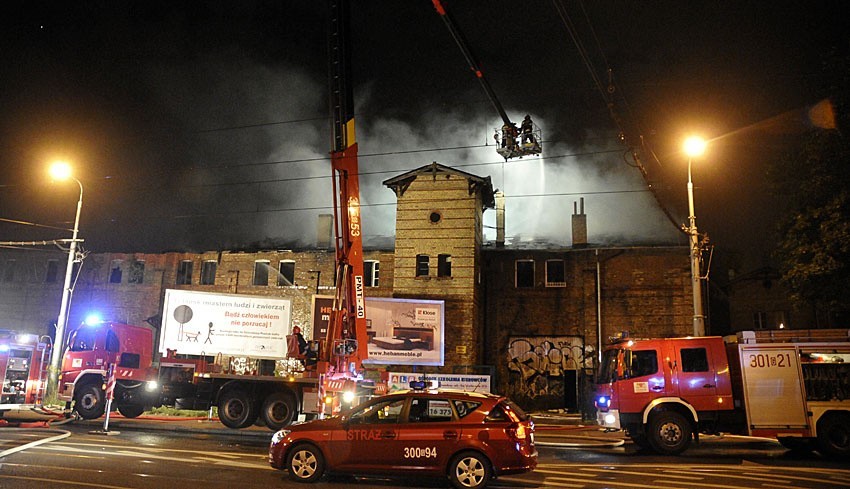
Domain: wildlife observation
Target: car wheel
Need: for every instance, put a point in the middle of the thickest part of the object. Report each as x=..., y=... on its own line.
x=278, y=410
x=131, y=410
x=305, y=463
x=236, y=409
x=669, y=433
x=89, y=402
x=469, y=470
x=834, y=436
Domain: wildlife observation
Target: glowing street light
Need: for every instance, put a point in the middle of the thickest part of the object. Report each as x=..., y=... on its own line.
x=695, y=146
x=62, y=171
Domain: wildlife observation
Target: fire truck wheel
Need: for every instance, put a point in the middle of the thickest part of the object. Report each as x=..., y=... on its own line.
x=305, y=463
x=89, y=402
x=131, y=410
x=236, y=409
x=834, y=435
x=469, y=470
x=669, y=433
x=278, y=410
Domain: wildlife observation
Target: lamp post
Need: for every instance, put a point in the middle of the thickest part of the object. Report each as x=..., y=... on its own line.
x=695, y=146
x=62, y=171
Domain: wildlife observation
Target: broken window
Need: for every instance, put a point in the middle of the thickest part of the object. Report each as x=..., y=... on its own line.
x=286, y=277
x=208, y=269
x=422, y=265
x=444, y=265
x=371, y=273
x=555, y=273
x=261, y=273
x=184, y=273
x=524, y=273
x=115, y=272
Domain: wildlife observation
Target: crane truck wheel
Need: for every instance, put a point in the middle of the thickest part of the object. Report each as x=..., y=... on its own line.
x=669, y=433
x=131, y=410
x=834, y=436
x=89, y=402
x=236, y=409
x=278, y=410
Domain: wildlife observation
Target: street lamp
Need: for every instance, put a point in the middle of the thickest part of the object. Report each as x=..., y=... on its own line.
x=695, y=146
x=62, y=171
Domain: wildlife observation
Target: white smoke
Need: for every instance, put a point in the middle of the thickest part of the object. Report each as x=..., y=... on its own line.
x=266, y=181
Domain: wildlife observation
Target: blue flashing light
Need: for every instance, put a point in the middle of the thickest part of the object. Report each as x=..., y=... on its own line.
x=603, y=401
x=4, y=348
x=93, y=319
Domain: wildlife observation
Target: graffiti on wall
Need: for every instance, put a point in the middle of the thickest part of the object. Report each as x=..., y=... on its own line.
x=543, y=368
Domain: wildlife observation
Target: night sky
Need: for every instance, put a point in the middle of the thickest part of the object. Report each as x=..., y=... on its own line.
x=204, y=125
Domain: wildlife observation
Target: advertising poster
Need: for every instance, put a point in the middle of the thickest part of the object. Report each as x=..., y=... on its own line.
x=401, y=331
x=200, y=323
x=463, y=382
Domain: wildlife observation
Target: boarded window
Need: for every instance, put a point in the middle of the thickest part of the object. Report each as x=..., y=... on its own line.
x=555, y=273
x=371, y=273
x=524, y=273
x=261, y=273
x=422, y=265
x=136, y=272
x=286, y=277
x=184, y=272
x=444, y=265
x=208, y=269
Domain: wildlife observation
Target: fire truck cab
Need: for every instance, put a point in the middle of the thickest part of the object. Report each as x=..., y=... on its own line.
x=91, y=348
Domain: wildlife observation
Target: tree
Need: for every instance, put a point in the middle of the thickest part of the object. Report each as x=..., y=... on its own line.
x=814, y=243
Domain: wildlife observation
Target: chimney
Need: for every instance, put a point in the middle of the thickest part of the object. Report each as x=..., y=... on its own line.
x=579, y=226
x=324, y=231
x=500, y=218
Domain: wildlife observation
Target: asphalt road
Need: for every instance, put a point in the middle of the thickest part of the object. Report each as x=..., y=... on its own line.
x=145, y=454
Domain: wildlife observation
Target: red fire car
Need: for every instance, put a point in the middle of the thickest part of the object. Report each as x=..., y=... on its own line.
x=467, y=437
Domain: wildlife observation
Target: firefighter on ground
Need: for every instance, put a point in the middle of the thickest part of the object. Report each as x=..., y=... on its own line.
x=526, y=128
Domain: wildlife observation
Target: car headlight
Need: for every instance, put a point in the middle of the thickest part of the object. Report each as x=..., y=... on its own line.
x=348, y=397
x=151, y=386
x=280, y=435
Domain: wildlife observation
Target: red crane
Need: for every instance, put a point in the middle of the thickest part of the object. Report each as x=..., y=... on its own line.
x=515, y=142
x=345, y=344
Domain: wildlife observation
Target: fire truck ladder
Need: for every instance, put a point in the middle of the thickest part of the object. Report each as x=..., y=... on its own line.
x=44, y=373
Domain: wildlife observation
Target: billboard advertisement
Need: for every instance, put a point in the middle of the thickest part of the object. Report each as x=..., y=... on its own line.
x=401, y=331
x=201, y=323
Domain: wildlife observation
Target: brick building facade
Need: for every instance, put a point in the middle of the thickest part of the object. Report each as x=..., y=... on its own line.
x=531, y=316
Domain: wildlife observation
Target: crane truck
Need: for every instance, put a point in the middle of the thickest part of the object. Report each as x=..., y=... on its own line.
x=791, y=385
x=242, y=395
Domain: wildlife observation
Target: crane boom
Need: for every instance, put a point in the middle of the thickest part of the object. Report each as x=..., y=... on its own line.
x=531, y=142
x=345, y=346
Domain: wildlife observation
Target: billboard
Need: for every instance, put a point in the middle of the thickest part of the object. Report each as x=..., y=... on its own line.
x=201, y=323
x=465, y=382
x=401, y=331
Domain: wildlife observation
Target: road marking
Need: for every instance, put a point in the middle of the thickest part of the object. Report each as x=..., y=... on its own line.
x=629, y=472
x=618, y=484
x=58, y=481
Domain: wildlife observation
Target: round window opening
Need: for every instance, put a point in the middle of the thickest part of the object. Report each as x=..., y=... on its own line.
x=435, y=217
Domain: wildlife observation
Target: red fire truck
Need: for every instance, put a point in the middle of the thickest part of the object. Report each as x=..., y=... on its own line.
x=23, y=367
x=793, y=385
